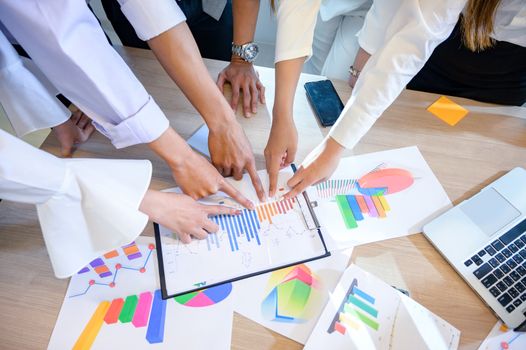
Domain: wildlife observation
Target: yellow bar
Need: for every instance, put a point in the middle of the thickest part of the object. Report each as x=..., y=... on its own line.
x=385, y=205
x=349, y=321
x=90, y=332
x=378, y=205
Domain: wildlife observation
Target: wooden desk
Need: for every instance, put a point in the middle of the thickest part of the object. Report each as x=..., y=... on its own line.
x=466, y=157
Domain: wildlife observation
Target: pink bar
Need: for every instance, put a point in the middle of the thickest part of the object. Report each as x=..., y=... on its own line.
x=140, y=318
x=370, y=205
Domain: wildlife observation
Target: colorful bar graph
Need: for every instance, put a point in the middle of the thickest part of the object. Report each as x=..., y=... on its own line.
x=128, y=309
x=155, y=331
x=140, y=318
x=345, y=210
x=370, y=205
x=362, y=204
x=357, y=307
x=90, y=332
x=112, y=316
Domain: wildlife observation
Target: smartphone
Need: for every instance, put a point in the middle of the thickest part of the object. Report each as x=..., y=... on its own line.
x=325, y=101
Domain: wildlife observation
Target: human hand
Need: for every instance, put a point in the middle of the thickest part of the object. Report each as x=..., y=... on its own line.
x=192, y=172
x=242, y=77
x=317, y=167
x=231, y=153
x=280, y=150
x=183, y=215
x=74, y=131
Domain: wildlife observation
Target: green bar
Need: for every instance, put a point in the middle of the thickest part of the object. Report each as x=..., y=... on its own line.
x=348, y=217
x=362, y=317
x=365, y=307
x=128, y=309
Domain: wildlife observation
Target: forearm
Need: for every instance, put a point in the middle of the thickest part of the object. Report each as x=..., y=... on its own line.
x=178, y=53
x=287, y=75
x=171, y=148
x=245, y=13
x=359, y=62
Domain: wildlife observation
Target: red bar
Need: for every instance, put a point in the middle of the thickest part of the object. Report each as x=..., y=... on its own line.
x=112, y=315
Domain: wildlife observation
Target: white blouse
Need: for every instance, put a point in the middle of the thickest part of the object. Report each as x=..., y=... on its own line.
x=67, y=43
x=401, y=36
x=86, y=207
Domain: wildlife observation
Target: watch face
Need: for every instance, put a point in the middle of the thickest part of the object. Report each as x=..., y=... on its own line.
x=251, y=52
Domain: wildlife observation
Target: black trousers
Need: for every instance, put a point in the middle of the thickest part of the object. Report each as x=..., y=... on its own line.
x=496, y=75
x=214, y=38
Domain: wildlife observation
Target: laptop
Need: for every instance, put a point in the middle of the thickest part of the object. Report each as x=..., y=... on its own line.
x=484, y=238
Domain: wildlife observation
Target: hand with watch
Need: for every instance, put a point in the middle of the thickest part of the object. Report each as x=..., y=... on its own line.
x=243, y=78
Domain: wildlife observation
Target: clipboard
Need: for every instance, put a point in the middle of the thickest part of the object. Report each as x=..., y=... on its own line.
x=312, y=231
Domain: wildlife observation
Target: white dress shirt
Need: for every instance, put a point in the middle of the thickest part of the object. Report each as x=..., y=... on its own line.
x=86, y=207
x=66, y=42
x=27, y=97
x=399, y=46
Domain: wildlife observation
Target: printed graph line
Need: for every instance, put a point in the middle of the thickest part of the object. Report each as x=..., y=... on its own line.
x=118, y=267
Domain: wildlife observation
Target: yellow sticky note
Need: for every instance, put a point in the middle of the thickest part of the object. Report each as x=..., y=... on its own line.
x=447, y=110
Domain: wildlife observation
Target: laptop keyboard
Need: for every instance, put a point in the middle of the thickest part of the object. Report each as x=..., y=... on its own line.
x=501, y=267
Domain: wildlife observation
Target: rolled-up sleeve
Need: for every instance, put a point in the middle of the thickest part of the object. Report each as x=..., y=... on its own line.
x=418, y=27
x=295, y=28
x=67, y=43
x=150, y=18
x=86, y=207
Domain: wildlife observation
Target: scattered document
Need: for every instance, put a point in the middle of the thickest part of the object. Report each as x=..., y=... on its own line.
x=502, y=338
x=365, y=313
x=199, y=140
x=447, y=110
x=276, y=234
x=289, y=301
x=377, y=196
x=115, y=303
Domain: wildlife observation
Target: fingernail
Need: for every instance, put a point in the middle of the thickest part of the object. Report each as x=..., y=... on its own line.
x=254, y=110
x=237, y=212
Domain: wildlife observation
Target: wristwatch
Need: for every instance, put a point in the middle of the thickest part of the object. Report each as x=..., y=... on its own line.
x=248, y=52
x=354, y=72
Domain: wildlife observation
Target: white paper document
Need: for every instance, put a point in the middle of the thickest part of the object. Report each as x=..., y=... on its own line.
x=199, y=140
x=502, y=338
x=115, y=303
x=277, y=233
x=377, y=196
x=289, y=301
x=365, y=313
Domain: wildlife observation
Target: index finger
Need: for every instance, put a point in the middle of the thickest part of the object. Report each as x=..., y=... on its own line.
x=300, y=187
x=214, y=210
x=221, y=80
x=256, y=181
x=273, y=170
x=236, y=195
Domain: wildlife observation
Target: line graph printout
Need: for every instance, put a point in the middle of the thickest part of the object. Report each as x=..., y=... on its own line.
x=277, y=233
x=377, y=196
x=116, y=303
x=366, y=313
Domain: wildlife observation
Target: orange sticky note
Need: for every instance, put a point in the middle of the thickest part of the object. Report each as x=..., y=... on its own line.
x=447, y=110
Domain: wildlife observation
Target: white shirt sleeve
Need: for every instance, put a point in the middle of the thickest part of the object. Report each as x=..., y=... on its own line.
x=67, y=43
x=86, y=207
x=27, y=97
x=372, y=34
x=295, y=32
x=418, y=27
x=150, y=18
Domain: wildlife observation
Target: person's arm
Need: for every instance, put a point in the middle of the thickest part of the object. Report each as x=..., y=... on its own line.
x=417, y=28
x=230, y=150
x=73, y=52
x=87, y=207
x=175, y=48
x=241, y=74
x=296, y=22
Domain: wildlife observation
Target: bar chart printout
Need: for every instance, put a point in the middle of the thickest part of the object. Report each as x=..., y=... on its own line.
x=274, y=234
x=365, y=197
x=367, y=313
